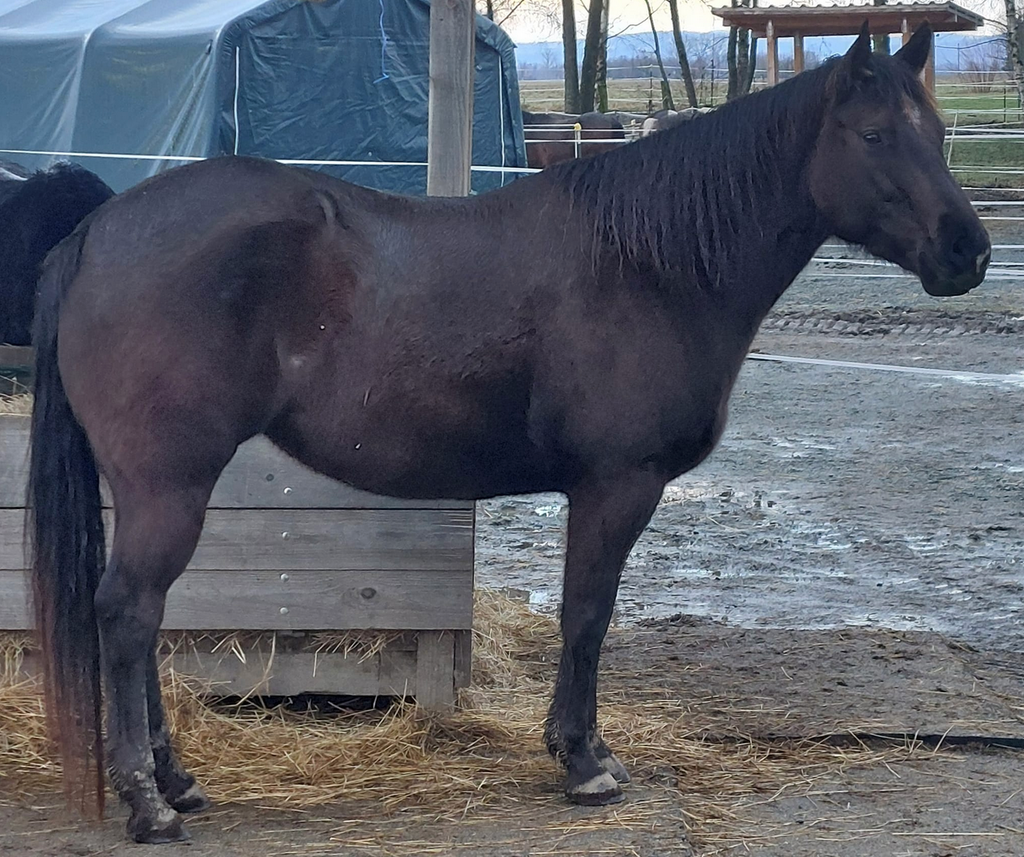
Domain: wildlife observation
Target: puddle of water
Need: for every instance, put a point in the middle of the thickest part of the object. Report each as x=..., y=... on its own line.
x=920, y=544
x=542, y=599
x=1015, y=379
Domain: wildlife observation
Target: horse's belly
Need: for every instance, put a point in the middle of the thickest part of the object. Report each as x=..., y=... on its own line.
x=453, y=444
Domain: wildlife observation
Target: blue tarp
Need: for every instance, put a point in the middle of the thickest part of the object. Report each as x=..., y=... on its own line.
x=331, y=80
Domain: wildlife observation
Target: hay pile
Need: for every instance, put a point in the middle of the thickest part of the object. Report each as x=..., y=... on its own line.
x=18, y=405
x=470, y=764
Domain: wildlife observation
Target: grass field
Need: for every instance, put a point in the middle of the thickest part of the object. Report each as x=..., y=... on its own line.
x=963, y=103
x=642, y=95
x=996, y=155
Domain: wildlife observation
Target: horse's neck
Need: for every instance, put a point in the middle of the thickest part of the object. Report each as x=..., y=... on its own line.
x=750, y=225
x=771, y=256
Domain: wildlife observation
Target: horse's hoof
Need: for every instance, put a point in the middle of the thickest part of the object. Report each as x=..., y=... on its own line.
x=167, y=826
x=613, y=766
x=600, y=790
x=191, y=801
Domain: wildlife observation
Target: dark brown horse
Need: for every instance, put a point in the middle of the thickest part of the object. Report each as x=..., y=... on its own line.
x=578, y=331
x=545, y=146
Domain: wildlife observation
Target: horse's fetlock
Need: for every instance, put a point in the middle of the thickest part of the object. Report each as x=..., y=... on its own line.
x=553, y=741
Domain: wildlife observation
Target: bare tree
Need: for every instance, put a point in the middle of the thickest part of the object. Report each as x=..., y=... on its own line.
x=684, y=61
x=549, y=58
x=741, y=57
x=591, y=50
x=602, y=62
x=751, y=62
x=571, y=74
x=666, y=89
x=1014, y=28
x=543, y=14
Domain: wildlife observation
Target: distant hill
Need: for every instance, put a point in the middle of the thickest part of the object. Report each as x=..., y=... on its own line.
x=948, y=46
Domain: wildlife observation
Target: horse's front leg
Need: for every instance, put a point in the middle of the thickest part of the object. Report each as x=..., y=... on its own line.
x=606, y=516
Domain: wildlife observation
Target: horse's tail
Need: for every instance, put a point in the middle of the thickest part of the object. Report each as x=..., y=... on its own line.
x=65, y=527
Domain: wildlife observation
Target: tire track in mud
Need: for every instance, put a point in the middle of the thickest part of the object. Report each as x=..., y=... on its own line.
x=920, y=323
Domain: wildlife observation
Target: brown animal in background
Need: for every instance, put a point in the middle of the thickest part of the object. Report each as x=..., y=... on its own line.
x=665, y=119
x=559, y=143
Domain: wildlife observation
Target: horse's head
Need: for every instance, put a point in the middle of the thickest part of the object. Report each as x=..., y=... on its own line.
x=879, y=176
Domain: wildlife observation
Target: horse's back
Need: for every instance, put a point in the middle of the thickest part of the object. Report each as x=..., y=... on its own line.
x=246, y=297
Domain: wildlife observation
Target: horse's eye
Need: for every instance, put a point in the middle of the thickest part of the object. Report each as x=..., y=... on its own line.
x=872, y=137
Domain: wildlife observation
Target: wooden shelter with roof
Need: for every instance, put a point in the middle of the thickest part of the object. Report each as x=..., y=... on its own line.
x=794, y=22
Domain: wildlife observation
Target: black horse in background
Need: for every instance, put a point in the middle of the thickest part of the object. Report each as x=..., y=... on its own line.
x=37, y=211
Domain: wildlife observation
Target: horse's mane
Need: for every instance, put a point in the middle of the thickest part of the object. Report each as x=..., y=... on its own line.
x=673, y=200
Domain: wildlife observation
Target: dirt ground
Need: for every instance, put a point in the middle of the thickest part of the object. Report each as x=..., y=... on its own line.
x=851, y=559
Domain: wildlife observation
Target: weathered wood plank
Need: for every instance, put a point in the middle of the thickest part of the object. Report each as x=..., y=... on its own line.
x=463, y=658
x=435, y=670
x=259, y=476
x=17, y=357
x=295, y=600
x=293, y=673
x=419, y=539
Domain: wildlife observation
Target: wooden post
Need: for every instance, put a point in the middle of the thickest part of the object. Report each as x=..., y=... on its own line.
x=773, y=54
x=450, y=120
x=905, y=31
x=798, y=53
x=449, y=158
x=435, y=670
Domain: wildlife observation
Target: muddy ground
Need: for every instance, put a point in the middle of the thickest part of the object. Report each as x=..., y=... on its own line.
x=850, y=558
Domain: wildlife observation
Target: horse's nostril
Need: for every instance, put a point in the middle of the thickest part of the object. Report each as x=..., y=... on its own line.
x=970, y=250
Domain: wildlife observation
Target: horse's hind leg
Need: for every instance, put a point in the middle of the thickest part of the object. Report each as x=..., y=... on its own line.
x=154, y=538
x=178, y=787
x=605, y=519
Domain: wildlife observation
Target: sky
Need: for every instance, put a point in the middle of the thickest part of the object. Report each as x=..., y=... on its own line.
x=627, y=15
x=631, y=16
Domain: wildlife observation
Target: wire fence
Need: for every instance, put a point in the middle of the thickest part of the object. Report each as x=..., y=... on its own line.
x=1007, y=211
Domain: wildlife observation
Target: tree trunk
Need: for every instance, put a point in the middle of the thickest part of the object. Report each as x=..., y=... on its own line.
x=602, y=63
x=490, y=9
x=591, y=48
x=751, y=65
x=743, y=71
x=571, y=73
x=684, y=62
x=1014, y=25
x=666, y=89
x=730, y=56
x=748, y=81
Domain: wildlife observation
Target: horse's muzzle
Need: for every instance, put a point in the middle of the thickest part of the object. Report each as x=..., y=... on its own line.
x=959, y=268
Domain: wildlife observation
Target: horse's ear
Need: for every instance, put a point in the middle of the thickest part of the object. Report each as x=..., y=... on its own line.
x=857, y=62
x=915, y=52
